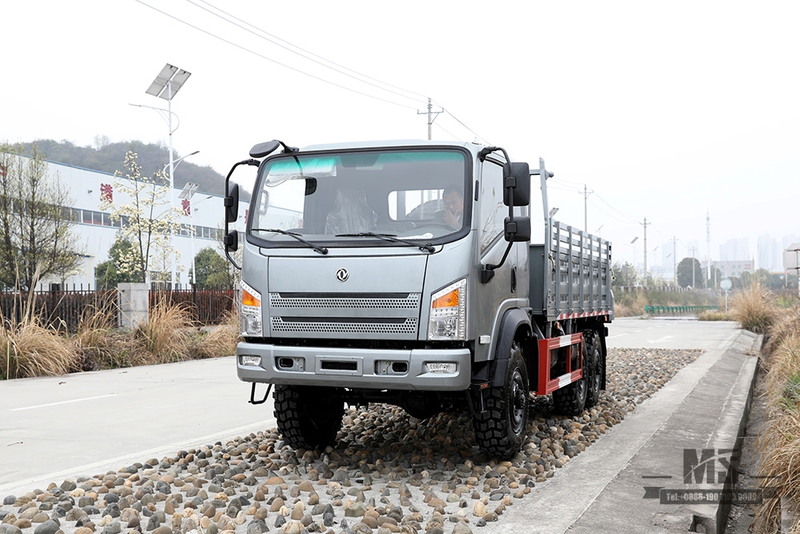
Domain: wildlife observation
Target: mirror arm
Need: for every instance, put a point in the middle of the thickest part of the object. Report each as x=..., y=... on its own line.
x=487, y=273
x=233, y=262
x=253, y=162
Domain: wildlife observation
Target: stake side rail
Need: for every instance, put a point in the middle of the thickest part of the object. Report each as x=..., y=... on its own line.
x=571, y=342
x=580, y=283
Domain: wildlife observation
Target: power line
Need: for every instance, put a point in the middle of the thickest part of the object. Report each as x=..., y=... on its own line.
x=462, y=124
x=262, y=56
x=631, y=218
x=357, y=76
x=310, y=56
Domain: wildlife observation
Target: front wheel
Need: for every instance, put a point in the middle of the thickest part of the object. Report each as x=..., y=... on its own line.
x=500, y=430
x=308, y=417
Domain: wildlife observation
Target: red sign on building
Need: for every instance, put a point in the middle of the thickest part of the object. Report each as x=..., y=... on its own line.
x=106, y=193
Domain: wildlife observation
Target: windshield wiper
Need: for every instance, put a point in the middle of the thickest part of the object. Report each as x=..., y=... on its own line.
x=393, y=238
x=317, y=248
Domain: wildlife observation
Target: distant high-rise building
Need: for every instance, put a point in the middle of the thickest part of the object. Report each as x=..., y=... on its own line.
x=769, y=257
x=734, y=250
x=788, y=240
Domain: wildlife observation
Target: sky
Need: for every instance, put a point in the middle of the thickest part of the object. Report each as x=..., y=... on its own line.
x=664, y=111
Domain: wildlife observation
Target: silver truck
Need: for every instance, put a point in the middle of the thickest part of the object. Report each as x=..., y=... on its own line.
x=406, y=273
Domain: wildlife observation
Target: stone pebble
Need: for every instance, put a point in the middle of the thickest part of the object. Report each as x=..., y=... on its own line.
x=389, y=473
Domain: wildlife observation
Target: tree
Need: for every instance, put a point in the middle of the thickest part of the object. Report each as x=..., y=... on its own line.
x=147, y=222
x=213, y=271
x=36, y=234
x=685, y=276
x=115, y=270
x=624, y=275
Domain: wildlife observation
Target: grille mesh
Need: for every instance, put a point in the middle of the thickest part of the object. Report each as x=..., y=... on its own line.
x=407, y=327
x=410, y=302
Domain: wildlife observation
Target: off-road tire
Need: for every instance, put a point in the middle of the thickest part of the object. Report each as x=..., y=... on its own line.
x=571, y=400
x=594, y=367
x=501, y=430
x=308, y=417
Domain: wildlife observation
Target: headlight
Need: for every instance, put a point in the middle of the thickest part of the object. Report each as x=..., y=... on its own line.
x=449, y=313
x=250, y=313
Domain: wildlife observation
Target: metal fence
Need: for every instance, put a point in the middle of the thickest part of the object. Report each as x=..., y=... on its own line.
x=64, y=310
x=208, y=306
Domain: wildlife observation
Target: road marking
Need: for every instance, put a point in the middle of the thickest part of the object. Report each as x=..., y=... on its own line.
x=62, y=402
x=618, y=335
x=662, y=339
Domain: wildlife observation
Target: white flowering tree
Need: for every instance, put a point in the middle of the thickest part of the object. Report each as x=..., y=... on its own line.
x=148, y=221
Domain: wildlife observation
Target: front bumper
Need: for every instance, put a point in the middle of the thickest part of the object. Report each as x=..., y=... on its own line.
x=354, y=368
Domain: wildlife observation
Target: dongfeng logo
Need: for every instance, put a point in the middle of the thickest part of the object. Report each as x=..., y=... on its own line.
x=342, y=275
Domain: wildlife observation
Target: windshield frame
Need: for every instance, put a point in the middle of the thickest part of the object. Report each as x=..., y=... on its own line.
x=333, y=242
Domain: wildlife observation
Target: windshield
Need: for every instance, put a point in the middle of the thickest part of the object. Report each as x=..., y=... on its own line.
x=349, y=197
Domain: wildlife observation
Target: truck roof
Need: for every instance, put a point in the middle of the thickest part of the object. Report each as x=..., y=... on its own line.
x=474, y=147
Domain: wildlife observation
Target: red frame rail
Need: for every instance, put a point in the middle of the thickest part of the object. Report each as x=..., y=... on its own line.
x=546, y=347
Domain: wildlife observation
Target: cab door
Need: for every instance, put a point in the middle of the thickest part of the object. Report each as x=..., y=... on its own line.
x=503, y=290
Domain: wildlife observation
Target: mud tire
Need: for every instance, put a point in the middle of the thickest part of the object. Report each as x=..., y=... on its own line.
x=308, y=417
x=501, y=429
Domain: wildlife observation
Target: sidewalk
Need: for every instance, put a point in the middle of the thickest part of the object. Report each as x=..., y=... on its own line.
x=624, y=483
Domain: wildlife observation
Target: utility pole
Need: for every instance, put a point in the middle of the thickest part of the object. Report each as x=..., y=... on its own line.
x=708, y=248
x=675, y=260
x=645, y=223
x=585, y=209
x=693, y=269
x=431, y=116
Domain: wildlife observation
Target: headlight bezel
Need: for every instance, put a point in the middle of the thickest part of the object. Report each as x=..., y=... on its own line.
x=250, y=311
x=447, y=319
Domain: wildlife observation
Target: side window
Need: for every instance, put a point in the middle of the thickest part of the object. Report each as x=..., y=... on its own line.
x=492, y=210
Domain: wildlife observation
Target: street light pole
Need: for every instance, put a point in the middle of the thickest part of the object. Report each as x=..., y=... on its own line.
x=166, y=86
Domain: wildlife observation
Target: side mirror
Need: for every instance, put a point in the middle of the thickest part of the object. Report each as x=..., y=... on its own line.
x=231, y=202
x=517, y=229
x=231, y=240
x=519, y=180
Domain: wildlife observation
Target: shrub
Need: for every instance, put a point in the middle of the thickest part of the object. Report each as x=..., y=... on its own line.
x=220, y=340
x=166, y=335
x=29, y=349
x=753, y=308
x=711, y=315
x=780, y=441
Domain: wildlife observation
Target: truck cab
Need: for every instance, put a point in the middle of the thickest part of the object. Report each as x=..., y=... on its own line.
x=399, y=272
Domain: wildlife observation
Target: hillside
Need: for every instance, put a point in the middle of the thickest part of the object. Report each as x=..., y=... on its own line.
x=109, y=157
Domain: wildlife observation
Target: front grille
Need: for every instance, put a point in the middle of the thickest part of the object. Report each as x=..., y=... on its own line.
x=403, y=327
x=347, y=315
x=407, y=301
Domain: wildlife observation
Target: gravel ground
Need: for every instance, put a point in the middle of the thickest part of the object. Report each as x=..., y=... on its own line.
x=389, y=473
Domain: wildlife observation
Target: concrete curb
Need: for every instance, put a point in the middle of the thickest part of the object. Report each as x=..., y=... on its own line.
x=620, y=484
x=730, y=430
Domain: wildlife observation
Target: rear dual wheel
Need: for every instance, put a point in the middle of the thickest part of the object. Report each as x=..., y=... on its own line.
x=583, y=393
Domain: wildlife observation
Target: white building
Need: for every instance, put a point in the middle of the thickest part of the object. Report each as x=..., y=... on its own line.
x=97, y=233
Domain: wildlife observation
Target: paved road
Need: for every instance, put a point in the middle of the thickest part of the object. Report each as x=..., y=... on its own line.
x=88, y=423
x=670, y=334
x=84, y=424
